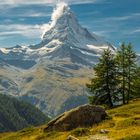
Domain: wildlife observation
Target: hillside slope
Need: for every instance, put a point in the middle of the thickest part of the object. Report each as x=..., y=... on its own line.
x=124, y=124
x=16, y=115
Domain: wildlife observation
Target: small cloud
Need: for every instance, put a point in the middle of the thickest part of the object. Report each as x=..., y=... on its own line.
x=30, y=31
x=7, y=20
x=51, y=2
x=134, y=31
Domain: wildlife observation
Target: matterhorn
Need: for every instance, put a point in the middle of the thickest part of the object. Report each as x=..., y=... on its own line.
x=52, y=74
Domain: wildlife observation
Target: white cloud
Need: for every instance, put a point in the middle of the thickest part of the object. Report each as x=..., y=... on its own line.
x=119, y=18
x=21, y=2
x=136, y=31
x=17, y=2
x=31, y=13
x=30, y=31
x=133, y=31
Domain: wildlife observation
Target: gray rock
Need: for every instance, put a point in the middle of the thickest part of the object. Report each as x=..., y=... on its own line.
x=104, y=131
x=83, y=116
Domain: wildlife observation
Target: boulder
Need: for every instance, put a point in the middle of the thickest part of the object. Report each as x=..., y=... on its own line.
x=83, y=116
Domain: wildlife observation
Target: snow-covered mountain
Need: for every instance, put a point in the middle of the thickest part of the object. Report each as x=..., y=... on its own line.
x=52, y=74
x=63, y=38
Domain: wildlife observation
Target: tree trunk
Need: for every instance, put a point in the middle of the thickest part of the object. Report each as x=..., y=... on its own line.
x=108, y=90
x=110, y=101
x=123, y=92
x=129, y=84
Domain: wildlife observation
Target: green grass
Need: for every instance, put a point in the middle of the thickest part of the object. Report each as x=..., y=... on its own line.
x=133, y=137
x=78, y=132
x=123, y=124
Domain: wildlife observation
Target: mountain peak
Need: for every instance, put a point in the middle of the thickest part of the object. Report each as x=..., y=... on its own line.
x=65, y=27
x=65, y=37
x=61, y=11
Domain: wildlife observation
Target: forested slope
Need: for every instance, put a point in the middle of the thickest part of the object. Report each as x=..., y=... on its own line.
x=16, y=114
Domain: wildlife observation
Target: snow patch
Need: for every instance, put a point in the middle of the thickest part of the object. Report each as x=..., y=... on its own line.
x=4, y=50
x=97, y=47
x=89, y=54
x=54, y=42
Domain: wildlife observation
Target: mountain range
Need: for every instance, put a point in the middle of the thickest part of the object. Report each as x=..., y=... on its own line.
x=52, y=74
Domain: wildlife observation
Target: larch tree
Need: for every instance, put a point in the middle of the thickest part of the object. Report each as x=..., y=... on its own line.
x=131, y=68
x=104, y=85
x=126, y=67
x=121, y=71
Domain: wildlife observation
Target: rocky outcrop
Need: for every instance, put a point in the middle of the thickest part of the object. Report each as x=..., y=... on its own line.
x=83, y=116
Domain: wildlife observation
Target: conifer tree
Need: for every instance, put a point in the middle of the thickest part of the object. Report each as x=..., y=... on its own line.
x=104, y=85
x=126, y=66
x=131, y=69
x=121, y=70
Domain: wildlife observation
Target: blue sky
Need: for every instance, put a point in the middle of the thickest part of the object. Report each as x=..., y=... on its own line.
x=116, y=20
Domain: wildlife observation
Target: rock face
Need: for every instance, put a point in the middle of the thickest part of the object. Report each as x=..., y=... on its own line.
x=83, y=116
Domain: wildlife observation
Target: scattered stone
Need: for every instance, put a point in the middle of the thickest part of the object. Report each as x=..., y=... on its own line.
x=98, y=137
x=83, y=116
x=104, y=131
x=71, y=138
